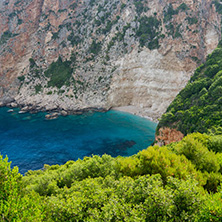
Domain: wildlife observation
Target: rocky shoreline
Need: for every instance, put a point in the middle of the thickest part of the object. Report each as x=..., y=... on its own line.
x=56, y=112
x=51, y=114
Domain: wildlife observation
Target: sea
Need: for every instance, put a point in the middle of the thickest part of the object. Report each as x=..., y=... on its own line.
x=30, y=141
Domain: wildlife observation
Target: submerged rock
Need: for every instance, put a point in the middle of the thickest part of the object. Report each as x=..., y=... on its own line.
x=22, y=111
x=51, y=116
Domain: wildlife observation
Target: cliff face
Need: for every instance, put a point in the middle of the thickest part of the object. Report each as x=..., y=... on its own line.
x=198, y=107
x=76, y=54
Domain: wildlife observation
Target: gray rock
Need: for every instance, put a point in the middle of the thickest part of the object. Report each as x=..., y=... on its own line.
x=64, y=113
x=21, y=112
x=51, y=116
x=26, y=108
x=13, y=105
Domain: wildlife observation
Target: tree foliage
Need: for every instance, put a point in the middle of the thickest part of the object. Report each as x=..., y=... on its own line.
x=198, y=107
x=178, y=182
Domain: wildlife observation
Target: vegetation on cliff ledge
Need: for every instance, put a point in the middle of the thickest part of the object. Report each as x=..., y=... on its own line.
x=198, y=107
x=59, y=73
x=178, y=182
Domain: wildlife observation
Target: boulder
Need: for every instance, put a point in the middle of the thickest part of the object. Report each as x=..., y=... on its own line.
x=26, y=108
x=22, y=111
x=64, y=113
x=13, y=105
x=51, y=116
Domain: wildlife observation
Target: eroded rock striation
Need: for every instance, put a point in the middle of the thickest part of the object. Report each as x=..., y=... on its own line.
x=72, y=54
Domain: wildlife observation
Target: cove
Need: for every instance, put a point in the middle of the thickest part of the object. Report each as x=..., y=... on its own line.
x=30, y=141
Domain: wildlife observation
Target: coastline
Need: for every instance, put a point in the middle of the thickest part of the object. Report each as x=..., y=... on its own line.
x=54, y=113
x=135, y=111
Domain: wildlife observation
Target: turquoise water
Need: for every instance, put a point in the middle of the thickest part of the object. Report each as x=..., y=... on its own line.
x=30, y=141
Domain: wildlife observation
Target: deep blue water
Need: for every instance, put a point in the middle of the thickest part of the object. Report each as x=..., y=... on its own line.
x=30, y=141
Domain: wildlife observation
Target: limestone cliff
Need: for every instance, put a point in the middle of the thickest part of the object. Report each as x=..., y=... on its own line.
x=75, y=54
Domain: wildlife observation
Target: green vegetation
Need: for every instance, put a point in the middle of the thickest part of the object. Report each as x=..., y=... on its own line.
x=192, y=20
x=218, y=5
x=178, y=182
x=55, y=35
x=21, y=78
x=74, y=39
x=60, y=73
x=6, y=36
x=168, y=13
x=91, y=3
x=32, y=63
x=15, y=204
x=38, y=88
x=198, y=107
x=140, y=6
x=183, y=7
x=170, y=183
x=74, y=5
x=123, y=6
x=20, y=21
x=148, y=32
x=170, y=29
x=108, y=27
x=95, y=47
x=177, y=32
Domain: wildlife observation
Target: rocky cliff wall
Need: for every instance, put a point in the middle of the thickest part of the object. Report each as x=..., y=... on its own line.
x=76, y=54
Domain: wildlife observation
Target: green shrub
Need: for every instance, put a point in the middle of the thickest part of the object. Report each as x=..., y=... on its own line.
x=21, y=78
x=187, y=198
x=140, y=7
x=148, y=32
x=38, y=88
x=168, y=13
x=213, y=181
x=6, y=36
x=32, y=63
x=59, y=73
x=218, y=6
x=157, y=184
x=95, y=47
x=14, y=204
x=192, y=20
x=197, y=108
x=183, y=7
x=198, y=154
x=211, y=210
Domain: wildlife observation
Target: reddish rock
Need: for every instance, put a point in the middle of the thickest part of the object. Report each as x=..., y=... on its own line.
x=167, y=136
x=147, y=79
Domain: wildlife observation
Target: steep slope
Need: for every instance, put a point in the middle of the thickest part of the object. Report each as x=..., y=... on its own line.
x=72, y=54
x=198, y=107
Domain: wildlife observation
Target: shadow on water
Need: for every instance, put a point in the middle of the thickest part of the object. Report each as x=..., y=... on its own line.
x=113, y=148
